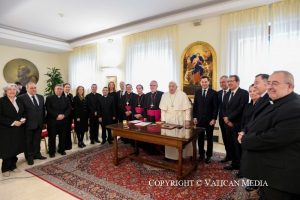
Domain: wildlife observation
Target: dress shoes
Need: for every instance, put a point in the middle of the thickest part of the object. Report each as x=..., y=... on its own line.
x=97, y=141
x=92, y=142
x=230, y=167
x=83, y=144
x=207, y=160
x=80, y=145
x=201, y=157
x=110, y=142
x=40, y=157
x=30, y=162
x=52, y=155
x=63, y=153
x=103, y=142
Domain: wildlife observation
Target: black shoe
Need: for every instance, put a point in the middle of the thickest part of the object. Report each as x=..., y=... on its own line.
x=92, y=142
x=207, y=160
x=52, y=155
x=30, y=162
x=103, y=142
x=230, y=167
x=40, y=157
x=80, y=145
x=68, y=148
x=83, y=144
x=201, y=157
x=110, y=142
x=62, y=152
x=97, y=141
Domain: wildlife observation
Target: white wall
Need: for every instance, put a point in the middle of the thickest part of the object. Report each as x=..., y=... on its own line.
x=41, y=60
x=208, y=31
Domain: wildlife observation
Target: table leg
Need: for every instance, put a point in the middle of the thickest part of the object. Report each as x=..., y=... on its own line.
x=179, y=170
x=115, y=147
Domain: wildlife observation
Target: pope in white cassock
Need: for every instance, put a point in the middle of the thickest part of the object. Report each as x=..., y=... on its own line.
x=176, y=109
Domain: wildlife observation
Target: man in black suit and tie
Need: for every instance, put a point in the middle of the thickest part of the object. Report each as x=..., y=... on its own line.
x=221, y=94
x=107, y=115
x=205, y=111
x=272, y=141
x=233, y=107
x=120, y=94
x=69, y=96
x=58, y=109
x=35, y=115
x=93, y=107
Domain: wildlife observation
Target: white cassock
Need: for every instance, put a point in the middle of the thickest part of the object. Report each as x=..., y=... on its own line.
x=176, y=109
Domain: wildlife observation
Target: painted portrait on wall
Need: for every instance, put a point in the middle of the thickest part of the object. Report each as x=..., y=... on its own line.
x=20, y=70
x=198, y=59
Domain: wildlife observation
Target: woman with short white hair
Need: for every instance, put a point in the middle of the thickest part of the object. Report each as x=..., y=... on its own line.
x=11, y=129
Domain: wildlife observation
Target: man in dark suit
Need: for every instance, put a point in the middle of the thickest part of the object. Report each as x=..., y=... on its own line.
x=93, y=106
x=221, y=94
x=205, y=111
x=58, y=109
x=107, y=115
x=272, y=141
x=233, y=107
x=35, y=115
x=69, y=96
x=120, y=94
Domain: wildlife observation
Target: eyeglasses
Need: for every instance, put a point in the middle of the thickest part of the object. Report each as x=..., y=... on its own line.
x=275, y=83
x=153, y=85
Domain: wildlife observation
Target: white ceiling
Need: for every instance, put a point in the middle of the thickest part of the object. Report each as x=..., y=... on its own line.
x=75, y=21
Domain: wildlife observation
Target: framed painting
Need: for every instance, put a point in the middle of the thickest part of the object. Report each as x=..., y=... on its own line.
x=20, y=70
x=197, y=60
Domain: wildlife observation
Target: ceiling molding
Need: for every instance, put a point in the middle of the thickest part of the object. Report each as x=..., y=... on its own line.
x=26, y=40
x=171, y=18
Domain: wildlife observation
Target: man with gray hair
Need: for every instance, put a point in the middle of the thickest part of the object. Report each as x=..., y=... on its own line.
x=35, y=115
x=273, y=140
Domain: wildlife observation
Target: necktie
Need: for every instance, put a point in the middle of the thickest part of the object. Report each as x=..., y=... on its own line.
x=231, y=95
x=34, y=101
x=204, y=93
x=224, y=92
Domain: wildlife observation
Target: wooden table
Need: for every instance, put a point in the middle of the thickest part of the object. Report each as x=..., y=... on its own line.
x=155, y=135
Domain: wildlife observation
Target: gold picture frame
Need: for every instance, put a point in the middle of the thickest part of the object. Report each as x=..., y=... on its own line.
x=198, y=59
x=20, y=70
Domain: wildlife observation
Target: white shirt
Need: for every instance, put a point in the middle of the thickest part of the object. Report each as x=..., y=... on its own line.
x=37, y=100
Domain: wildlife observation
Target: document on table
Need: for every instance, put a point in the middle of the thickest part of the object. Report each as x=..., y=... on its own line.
x=134, y=121
x=143, y=123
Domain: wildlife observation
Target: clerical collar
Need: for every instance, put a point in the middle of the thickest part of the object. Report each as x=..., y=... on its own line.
x=58, y=96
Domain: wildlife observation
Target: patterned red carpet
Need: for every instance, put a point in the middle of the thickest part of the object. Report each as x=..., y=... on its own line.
x=90, y=174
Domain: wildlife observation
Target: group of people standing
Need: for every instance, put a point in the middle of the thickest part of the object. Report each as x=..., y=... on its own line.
x=258, y=134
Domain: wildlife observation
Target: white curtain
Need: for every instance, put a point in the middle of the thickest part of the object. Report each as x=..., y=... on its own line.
x=152, y=55
x=249, y=49
x=285, y=38
x=83, y=69
x=245, y=43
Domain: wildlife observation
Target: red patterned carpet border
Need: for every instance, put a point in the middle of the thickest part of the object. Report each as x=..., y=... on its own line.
x=90, y=174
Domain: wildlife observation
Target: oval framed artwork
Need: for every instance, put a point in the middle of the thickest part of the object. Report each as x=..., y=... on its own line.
x=20, y=70
x=197, y=60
